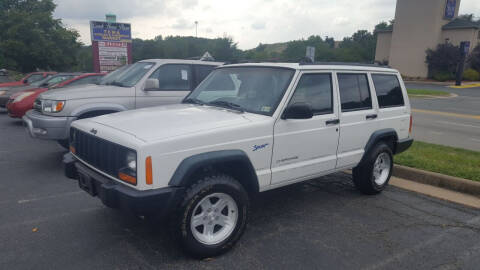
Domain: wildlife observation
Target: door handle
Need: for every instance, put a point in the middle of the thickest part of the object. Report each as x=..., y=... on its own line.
x=371, y=116
x=332, y=122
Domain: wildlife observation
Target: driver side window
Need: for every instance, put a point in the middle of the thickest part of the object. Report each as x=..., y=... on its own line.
x=316, y=91
x=173, y=77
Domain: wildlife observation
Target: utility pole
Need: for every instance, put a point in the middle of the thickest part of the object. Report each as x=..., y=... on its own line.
x=196, y=29
x=464, y=49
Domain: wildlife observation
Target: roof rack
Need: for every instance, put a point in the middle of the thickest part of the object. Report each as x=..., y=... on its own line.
x=344, y=64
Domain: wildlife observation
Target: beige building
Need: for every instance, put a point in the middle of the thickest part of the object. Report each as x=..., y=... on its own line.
x=422, y=25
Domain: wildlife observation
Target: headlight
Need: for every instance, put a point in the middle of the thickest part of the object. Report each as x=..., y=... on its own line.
x=53, y=105
x=22, y=96
x=2, y=92
x=132, y=161
x=129, y=172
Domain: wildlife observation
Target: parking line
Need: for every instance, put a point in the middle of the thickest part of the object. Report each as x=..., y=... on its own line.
x=457, y=124
x=50, y=197
x=460, y=115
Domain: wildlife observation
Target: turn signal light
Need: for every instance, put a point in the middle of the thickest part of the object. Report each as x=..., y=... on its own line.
x=59, y=106
x=148, y=170
x=72, y=149
x=127, y=178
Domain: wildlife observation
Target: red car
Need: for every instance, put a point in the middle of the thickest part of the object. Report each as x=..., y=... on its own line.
x=19, y=103
x=29, y=78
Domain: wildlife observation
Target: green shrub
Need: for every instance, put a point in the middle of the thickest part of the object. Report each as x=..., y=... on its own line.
x=471, y=75
x=442, y=76
x=443, y=60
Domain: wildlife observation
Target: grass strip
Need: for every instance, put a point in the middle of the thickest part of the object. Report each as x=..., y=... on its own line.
x=426, y=92
x=442, y=159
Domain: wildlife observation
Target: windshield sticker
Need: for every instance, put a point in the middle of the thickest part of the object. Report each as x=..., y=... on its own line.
x=147, y=66
x=265, y=108
x=184, y=75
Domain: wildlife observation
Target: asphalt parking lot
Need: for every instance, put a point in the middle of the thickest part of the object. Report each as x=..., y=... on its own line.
x=47, y=222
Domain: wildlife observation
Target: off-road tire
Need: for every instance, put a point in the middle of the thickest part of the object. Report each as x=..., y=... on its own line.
x=217, y=183
x=363, y=176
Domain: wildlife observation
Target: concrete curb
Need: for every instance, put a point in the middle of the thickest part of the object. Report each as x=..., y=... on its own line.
x=437, y=179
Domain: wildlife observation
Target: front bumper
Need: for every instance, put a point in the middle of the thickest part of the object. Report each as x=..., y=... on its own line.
x=158, y=202
x=17, y=109
x=47, y=127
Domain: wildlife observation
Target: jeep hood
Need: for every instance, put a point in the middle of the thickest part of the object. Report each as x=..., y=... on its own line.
x=169, y=121
x=86, y=91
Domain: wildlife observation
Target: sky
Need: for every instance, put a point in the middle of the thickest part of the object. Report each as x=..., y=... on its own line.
x=248, y=22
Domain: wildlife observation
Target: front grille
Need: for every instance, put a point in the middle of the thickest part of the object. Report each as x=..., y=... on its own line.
x=105, y=156
x=37, y=105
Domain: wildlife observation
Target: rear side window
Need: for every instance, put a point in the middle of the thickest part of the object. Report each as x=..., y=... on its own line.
x=316, y=91
x=389, y=91
x=173, y=77
x=354, y=92
x=201, y=72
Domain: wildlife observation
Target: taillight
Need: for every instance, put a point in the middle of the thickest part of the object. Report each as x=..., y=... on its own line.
x=411, y=124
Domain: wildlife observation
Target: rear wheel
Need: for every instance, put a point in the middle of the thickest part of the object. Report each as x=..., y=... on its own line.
x=373, y=175
x=212, y=216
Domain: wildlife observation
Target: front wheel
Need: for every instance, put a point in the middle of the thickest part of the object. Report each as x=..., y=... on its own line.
x=212, y=216
x=373, y=175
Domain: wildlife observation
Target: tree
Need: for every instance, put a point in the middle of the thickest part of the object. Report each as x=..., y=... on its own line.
x=382, y=26
x=31, y=39
x=444, y=59
x=474, y=58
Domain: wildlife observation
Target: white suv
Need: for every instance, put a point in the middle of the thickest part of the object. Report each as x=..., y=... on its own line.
x=245, y=129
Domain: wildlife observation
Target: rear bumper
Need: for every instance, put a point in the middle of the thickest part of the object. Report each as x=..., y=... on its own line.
x=403, y=145
x=158, y=202
x=47, y=127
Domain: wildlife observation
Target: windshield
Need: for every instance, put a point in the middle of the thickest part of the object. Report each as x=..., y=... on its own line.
x=110, y=77
x=38, y=83
x=252, y=89
x=131, y=75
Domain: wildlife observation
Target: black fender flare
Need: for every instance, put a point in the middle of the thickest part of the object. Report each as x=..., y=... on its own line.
x=182, y=176
x=376, y=137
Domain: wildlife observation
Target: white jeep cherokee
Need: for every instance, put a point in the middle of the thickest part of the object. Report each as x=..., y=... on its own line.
x=245, y=129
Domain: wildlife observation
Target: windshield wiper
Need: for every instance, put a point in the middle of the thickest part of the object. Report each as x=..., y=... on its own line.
x=193, y=101
x=229, y=105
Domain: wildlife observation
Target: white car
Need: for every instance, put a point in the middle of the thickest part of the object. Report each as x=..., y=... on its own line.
x=245, y=129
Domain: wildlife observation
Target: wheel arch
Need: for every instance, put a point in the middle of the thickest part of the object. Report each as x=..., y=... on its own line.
x=389, y=136
x=98, y=108
x=232, y=162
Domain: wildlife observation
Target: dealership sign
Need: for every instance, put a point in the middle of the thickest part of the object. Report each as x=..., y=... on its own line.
x=111, y=31
x=111, y=44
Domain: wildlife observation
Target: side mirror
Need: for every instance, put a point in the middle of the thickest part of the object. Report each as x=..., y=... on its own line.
x=25, y=81
x=151, y=84
x=298, y=111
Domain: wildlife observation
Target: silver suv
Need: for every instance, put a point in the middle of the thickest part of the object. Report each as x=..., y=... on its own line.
x=146, y=83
